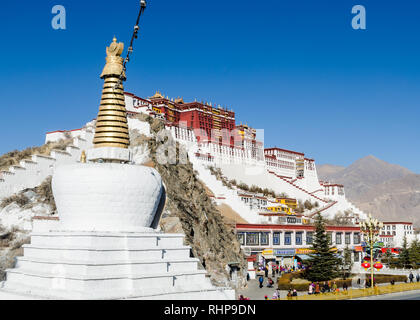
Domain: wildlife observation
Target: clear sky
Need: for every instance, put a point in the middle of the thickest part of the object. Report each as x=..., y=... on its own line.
x=294, y=68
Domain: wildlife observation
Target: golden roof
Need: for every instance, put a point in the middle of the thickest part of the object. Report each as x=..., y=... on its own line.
x=157, y=95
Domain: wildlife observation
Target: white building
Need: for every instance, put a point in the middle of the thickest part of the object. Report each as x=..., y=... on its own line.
x=396, y=231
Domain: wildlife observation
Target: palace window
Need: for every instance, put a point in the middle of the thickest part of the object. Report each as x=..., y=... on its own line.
x=264, y=238
x=252, y=238
x=356, y=238
x=347, y=238
x=338, y=239
x=329, y=236
x=276, y=238
x=241, y=238
x=309, y=237
x=298, y=238
x=288, y=238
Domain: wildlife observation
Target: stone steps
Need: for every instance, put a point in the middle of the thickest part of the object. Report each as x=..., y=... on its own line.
x=110, y=240
x=23, y=291
x=109, y=265
x=110, y=253
x=104, y=283
x=32, y=172
x=105, y=267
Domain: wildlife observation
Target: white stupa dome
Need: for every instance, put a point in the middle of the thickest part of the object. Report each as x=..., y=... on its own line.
x=106, y=196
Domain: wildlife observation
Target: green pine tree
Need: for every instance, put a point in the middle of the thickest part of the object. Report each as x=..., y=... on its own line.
x=347, y=262
x=404, y=258
x=323, y=264
x=414, y=252
x=388, y=256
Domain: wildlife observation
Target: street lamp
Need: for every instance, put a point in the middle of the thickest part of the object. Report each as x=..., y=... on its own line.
x=371, y=228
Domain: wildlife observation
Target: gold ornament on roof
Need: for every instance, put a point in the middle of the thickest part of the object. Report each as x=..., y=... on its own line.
x=157, y=95
x=111, y=123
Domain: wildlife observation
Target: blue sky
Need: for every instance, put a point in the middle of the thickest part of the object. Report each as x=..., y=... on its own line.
x=294, y=68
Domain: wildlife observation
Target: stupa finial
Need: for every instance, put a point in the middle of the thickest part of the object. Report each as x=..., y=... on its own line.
x=111, y=123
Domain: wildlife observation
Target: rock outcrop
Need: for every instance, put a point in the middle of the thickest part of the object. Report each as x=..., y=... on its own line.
x=188, y=208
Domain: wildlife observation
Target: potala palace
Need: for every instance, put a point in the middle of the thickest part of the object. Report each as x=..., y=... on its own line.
x=160, y=198
x=212, y=138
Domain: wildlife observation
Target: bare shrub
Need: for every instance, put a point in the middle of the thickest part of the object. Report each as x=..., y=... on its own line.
x=44, y=191
x=14, y=157
x=20, y=199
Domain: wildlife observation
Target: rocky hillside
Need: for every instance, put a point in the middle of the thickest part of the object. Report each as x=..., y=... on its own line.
x=16, y=214
x=388, y=191
x=190, y=210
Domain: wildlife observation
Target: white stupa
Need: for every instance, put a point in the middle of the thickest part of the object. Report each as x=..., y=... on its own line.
x=105, y=244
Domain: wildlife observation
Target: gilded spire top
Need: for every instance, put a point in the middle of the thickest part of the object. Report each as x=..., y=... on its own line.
x=115, y=48
x=111, y=123
x=114, y=61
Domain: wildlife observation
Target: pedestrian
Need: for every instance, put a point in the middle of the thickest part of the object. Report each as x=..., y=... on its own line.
x=411, y=276
x=317, y=289
x=334, y=287
x=277, y=269
x=276, y=294
x=270, y=283
x=261, y=280
x=294, y=294
x=418, y=277
x=247, y=277
x=266, y=271
x=265, y=298
x=310, y=289
x=273, y=272
x=392, y=281
x=289, y=294
x=326, y=287
x=345, y=286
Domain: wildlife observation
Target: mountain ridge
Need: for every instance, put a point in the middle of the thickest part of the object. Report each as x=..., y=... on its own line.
x=388, y=191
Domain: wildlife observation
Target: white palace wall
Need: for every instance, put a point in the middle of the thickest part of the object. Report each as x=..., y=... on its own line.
x=235, y=163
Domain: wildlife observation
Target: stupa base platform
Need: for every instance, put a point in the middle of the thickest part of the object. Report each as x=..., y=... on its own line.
x=108, y=265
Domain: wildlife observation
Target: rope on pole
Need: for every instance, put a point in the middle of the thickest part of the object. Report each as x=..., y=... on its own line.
x=130, y=48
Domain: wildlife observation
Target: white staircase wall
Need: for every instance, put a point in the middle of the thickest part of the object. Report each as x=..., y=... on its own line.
x=32, y=172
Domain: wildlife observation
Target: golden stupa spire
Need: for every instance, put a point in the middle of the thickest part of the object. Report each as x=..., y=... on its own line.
x=111, y=123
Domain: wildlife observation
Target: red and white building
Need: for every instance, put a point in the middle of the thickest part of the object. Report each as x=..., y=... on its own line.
x=286, y=242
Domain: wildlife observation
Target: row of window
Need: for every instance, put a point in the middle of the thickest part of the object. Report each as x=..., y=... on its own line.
x=262, y=238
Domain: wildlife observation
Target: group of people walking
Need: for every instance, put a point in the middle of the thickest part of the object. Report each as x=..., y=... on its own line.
x=317, y=288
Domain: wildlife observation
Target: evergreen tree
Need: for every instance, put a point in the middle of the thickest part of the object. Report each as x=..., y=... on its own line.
x=404, y=258
x=414, y=252
x=388, y=256
x=323, y=264
x=347, y=263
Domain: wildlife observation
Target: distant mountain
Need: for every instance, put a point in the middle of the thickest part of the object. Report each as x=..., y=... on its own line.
x=388, y=191
x=394, y=200
x=327, y=170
